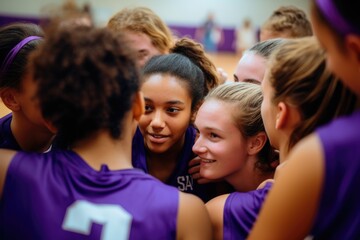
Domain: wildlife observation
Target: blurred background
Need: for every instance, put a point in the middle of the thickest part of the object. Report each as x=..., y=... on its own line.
x=185, y=18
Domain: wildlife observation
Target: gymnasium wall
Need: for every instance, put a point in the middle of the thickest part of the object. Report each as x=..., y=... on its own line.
x=184, y=16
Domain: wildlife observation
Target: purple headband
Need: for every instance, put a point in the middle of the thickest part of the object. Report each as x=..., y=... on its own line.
x=13, y=52
x=336, y=20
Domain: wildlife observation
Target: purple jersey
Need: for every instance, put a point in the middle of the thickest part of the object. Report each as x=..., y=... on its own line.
x=56, y=195
x=338, y=215
x=241, y=210
x=180, y=178
x=7, y=139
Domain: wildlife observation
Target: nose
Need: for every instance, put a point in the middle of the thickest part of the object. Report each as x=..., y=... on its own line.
x=158, y=120
x=198, y=147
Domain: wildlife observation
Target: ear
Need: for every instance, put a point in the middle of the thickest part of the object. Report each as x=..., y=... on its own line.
x=51, y=127
x=138, y=106
x=8, y=96
x=282, y=115
x=256, y=143
x=352, y=43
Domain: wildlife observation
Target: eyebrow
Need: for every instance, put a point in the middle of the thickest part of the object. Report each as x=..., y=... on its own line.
x=251, y=80
x=208, y=128
x=171, y=102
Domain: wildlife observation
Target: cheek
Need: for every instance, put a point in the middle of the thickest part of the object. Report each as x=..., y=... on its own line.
x=263, y=112
x=227, y=151
x=140, y=62
x=336, y=65
x=144, y=121
x=266, y=116
x=178, y=126
x=329, y=64
x=181, y=121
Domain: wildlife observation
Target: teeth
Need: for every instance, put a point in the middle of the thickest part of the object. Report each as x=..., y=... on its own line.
x=208, y=161
x=156, y=136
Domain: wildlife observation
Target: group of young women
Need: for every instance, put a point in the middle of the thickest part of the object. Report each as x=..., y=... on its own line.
x=145, y=138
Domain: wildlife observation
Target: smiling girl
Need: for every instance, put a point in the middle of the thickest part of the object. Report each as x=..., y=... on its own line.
x=174, y=85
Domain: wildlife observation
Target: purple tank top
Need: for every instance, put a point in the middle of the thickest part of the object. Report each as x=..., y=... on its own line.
x=338, y=215
x=7, y=139
x=180, y=178
x=241, y=210
x=58, y=196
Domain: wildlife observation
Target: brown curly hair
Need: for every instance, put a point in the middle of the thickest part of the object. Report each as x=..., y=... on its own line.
x=290, y=21
x=196, y=53
x=86, y=81
x=144, y=20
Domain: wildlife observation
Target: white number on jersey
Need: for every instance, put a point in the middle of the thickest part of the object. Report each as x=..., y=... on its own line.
x=116, y=221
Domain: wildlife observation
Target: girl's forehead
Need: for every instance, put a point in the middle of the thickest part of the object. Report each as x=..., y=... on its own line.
x=164, y=82
x=165, y=89
x=217, y=106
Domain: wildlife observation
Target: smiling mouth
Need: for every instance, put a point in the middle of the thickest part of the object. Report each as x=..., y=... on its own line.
x=207, y=161
x=158, y=139
x=157, y=135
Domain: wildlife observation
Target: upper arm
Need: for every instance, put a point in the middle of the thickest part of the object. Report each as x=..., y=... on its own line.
x=193, y=219
x=290, y=208
x=215, y=209
x=5, y=159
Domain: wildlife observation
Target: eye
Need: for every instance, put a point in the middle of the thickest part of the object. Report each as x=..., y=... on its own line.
x=142, y=54
x=214, y=136
x=236, y=79
x=173, y=110
x=197, y=130
x=148, y=108
x=197, y=133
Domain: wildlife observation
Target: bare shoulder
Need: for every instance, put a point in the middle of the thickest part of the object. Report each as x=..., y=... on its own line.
x=215, y=209
x=193, y=219
x=5, y=159
x=296, y=192
x=307, y=156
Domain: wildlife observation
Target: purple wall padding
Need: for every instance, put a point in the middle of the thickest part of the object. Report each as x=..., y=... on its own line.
x=180, y=31
x=6, y=19
x=225, y=46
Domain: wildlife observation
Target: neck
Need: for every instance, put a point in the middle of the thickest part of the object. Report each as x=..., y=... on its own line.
x=283, y=153
x=29, y=136
x=249, y=177
x=100, y=148
x=283, y=150
x=161, y=165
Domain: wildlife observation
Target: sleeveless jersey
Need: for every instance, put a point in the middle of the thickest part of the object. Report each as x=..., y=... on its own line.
x=241, y=210
x=56, y=195
x=338, y=215
x=180, y=178
x=7, y=139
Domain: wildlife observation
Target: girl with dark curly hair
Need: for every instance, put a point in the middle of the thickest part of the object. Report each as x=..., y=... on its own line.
x=88, y=90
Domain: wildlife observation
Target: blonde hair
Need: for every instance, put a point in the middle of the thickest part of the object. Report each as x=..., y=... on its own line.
x=245, y=100
x=299, y=77
x=290, y=21
x=144, y=20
